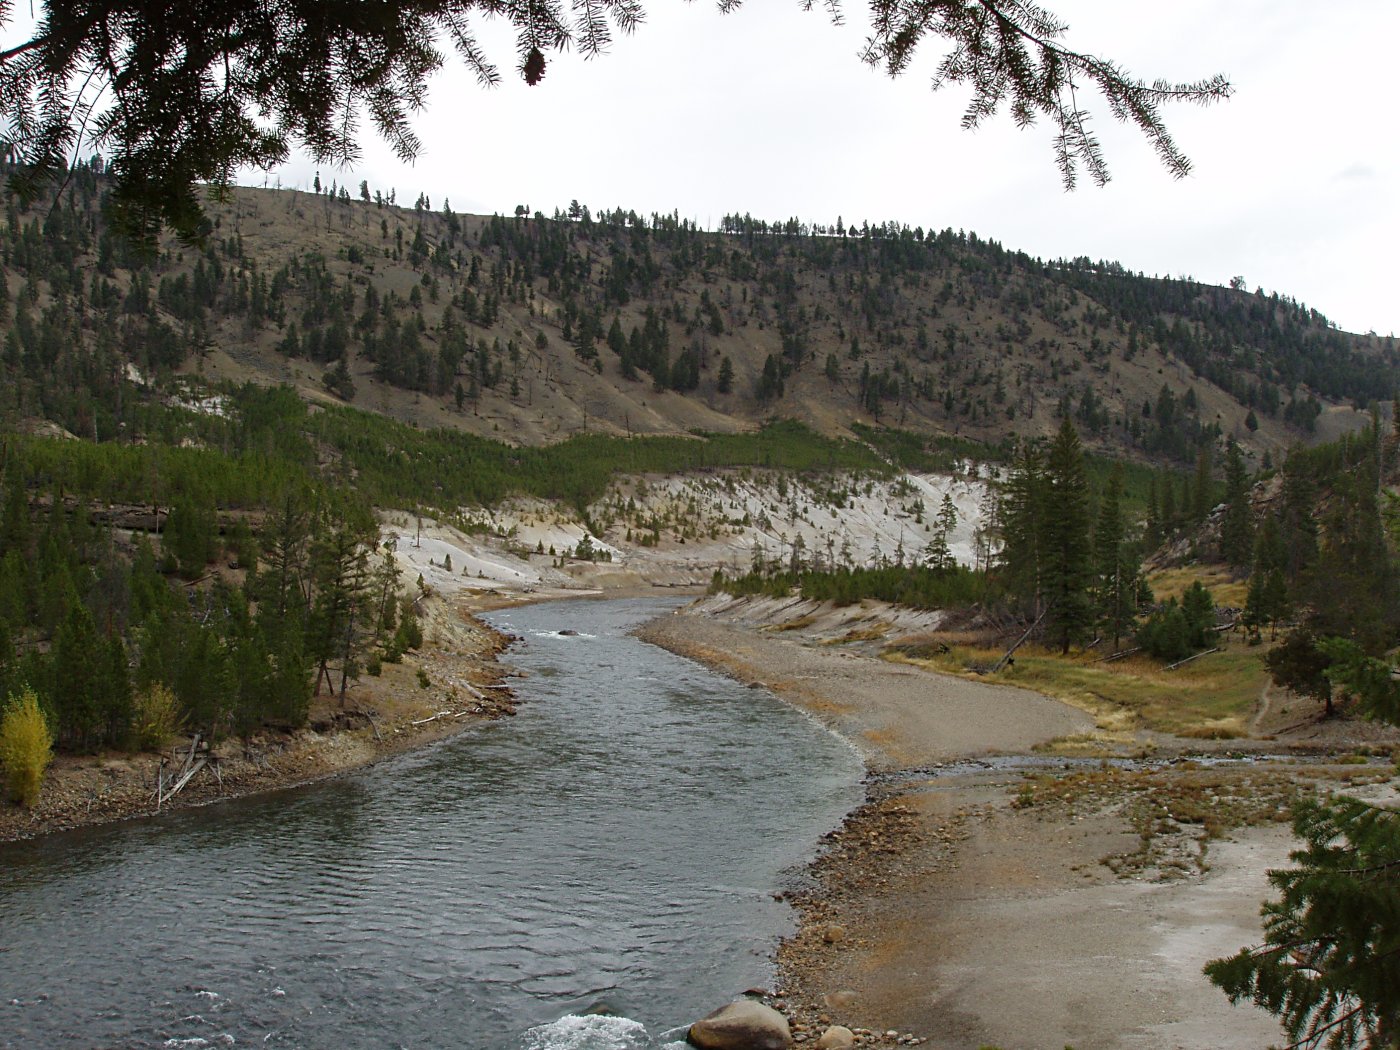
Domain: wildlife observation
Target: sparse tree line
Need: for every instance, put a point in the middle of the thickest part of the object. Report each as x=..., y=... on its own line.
x=656, y=300
x=122, y=639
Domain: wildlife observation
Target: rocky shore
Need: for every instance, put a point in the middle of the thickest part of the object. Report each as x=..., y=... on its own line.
x=981, y=903
x=382, y=716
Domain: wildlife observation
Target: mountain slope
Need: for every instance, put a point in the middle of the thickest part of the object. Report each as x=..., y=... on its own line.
x=531, y=329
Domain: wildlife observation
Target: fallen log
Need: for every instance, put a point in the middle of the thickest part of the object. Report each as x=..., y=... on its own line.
x=1006, y=656
x=1197, y=656
x=163, y=796
x=432, y=718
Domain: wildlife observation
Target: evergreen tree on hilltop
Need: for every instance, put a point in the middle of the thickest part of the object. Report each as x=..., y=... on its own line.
x=725, y=383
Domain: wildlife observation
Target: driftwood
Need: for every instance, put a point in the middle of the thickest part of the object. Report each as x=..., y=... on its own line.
x=1197, y=656
x=193, y=763
x=179, y=784
x=1006, y=656
x=442, y=714
x=372, y=723
x=1118, y=655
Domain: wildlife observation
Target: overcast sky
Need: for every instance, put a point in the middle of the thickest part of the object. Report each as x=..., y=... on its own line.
x=767, y=110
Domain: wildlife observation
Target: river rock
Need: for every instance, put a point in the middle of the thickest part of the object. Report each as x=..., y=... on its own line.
x=741, y=1025
x=837, y=1037
x=834, y=934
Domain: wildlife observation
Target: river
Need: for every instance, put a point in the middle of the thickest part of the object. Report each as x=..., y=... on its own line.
x=588, y=875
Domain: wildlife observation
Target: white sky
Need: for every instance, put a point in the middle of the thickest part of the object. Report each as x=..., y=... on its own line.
x=767, y=110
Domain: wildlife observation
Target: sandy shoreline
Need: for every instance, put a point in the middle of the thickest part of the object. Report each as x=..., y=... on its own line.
x=949, y=912
x=899, y=717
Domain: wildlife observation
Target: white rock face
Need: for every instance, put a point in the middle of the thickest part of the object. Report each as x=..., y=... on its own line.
x=678, y=530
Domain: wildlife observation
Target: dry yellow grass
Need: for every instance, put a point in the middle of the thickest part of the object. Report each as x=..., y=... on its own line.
x=1223, y=587
x=792, y=625
x=1210, y=698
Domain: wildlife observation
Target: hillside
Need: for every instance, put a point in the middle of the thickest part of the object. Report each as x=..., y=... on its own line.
x=532, y=329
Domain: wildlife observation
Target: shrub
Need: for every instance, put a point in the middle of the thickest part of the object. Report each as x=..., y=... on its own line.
x=26, y=747
x=1165, y=634
x=156, y=719
x=410, y=633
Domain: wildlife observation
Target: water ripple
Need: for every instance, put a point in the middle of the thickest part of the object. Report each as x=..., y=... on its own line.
x=618, y=842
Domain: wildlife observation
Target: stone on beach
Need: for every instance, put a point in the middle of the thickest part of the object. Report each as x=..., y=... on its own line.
x=837, y=1037
x=741, y=1025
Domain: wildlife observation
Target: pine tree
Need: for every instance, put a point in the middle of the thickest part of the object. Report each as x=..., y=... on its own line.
x=1351, y=590
x=1023, y=510
x=1237, y=526
x=1198, y=610
x=1152, y=527
x=337, y=625
x=1067, y=570
x=1329, y=966
x=938, y=554
x=78, y=652
x=1116, y=572
x=725, y=381
x=1267, y=599
x=1202, y=488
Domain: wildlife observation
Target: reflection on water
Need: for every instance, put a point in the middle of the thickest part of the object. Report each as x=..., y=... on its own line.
x=614, y=847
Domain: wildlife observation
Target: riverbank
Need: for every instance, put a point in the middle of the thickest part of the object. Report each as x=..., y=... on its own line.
x=969, y=904
x=381, y=717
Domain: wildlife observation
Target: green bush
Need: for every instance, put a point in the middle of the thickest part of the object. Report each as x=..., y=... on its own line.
x=26, y=747
x=1165, y=633
x=156, y=719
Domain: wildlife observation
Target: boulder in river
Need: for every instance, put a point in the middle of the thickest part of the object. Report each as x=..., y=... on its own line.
x=742, y=1025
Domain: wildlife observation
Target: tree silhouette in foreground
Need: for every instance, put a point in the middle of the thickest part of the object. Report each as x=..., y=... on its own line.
x=1329, y=966
x=180, y=94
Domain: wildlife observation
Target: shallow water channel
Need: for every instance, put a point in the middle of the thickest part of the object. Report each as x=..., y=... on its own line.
x=615, y=846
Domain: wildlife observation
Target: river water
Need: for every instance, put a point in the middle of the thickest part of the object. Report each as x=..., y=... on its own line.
x=586, y=876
